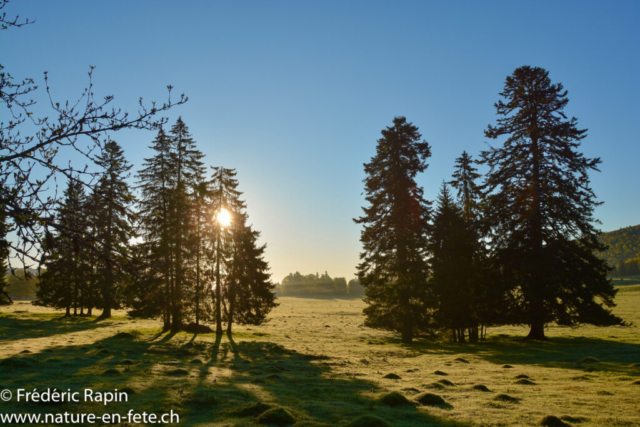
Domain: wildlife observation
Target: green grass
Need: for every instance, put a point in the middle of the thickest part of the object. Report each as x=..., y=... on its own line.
x=327, y=376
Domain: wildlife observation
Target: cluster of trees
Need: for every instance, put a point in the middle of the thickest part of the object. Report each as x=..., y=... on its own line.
x=185, y=253
x=630, y=267
x=516, y=246
x=22, y=284
x=160, y=254
x=296, y=284
x=622, y=245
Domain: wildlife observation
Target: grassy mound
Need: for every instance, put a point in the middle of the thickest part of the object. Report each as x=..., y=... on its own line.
x=507, y=366
x=434, y=386
x=411, y=390
x=589, y=359
x=552, y=421
x=392, y=376
x=461, y=360
x=276, y=416
x=128, y=390
x=124, y=335
x=253, y=410
x=480, y=387
x=522, y=376
x=446, y=382
x=440, y=373
x=177, y=372
x=111, y=372
x=394, y=399
x=273, y=377
x=524, y=381
x=368, y=421
x=506, y=398
x=635, y=365
x=636, y=382
x=196, y=361
x=202, y=399
x=430, y=399
x=25, y=352
x=104, y=351
x=126, y=362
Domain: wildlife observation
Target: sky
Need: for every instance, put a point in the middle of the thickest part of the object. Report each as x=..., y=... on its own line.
x=294, y=94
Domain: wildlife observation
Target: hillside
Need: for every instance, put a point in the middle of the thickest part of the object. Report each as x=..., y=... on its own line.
x=623, y=244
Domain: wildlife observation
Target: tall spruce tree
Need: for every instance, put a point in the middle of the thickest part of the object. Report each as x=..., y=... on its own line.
x=453, y=246
x=469, y=196
x=151, y=295
x=541, y=207
x=394, y=237
x=64, y=283
x=187, y=164
x=250, y=295
x=114, y=227
x=224, y=195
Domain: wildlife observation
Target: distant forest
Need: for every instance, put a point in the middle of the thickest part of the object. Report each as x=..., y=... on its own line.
x=296, y=284
x=623, y=254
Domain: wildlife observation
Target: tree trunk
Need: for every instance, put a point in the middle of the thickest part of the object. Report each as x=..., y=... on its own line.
x=454, y=335
x=461, y=335
x=537, y=331
x=218, y=289
x=407, y=333
x=474, y=334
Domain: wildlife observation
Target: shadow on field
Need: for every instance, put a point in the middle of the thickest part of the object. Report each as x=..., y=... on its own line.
x=12, y=328
x=209, y=379
x=582, y=354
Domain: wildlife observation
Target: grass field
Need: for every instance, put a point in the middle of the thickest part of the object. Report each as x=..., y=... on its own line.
x=316, y=360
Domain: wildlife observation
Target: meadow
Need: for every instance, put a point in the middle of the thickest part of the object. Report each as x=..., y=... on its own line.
x=315, y=364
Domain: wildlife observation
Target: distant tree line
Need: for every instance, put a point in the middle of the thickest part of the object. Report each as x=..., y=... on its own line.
x=515, y=246
x=630, y=267
x=296, y=284
x=22, y=284
x=182, y=250
x=622, y=245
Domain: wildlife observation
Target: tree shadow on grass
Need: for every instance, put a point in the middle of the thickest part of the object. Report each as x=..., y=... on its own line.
x=209, y=379
x=13, y=328
x=580, y=353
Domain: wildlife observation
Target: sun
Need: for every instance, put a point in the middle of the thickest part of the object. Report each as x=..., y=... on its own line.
x=223, y=217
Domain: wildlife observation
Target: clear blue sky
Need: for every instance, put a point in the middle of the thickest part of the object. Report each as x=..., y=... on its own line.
x=294, y=93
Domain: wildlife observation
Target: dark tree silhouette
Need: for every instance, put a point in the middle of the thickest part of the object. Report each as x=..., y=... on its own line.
x=453, y=245
x=393, y=268
x=469, y=196
x=63, y=285
x=188, y=167
x=249, y=292
x=540, y=206
x=114, y=227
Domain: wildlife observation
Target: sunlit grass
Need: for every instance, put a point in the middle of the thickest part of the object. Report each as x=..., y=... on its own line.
x=316, y=360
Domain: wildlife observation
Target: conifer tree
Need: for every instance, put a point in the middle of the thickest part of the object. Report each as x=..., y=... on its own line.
x=250, y=295
x=224, y=195
x=469, y=195
x=156, y=182
x=453, y=246
x=393, y=266
x=187, y=164
x=114, y=227
x=541, y=207
x=464, y=180
x=63, y=285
